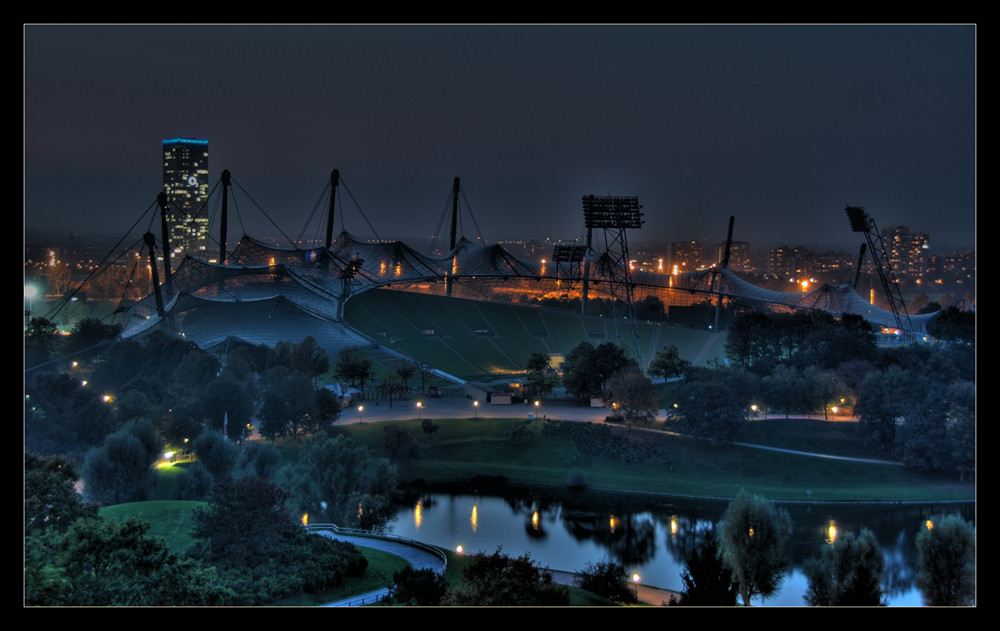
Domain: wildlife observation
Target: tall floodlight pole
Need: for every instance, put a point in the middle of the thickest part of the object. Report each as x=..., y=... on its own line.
x=725, y=265
x=586, y=271
x=614, y=215
x=863, y=222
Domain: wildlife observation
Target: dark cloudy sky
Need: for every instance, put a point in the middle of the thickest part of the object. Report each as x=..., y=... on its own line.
x=779, y=126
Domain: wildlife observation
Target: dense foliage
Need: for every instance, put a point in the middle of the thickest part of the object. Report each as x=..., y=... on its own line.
x=499, y=580
x=848, y=573
x=753, y=536
x=707, y=580
x=608, y=579
x=946, y=562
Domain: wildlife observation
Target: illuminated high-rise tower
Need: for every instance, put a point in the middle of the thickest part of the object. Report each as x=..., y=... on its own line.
x=185, y=182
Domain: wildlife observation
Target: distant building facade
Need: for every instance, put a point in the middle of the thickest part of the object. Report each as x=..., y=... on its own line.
x=185, y=182
x=685, y=256
x=739, y=256
x=907, y=251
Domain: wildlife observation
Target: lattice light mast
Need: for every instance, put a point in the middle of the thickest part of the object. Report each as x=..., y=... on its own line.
x=615, y=215
x=569, y=261
x=717, y=280
x=863, y=222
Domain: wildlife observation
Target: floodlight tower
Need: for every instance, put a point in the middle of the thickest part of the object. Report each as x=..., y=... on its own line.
x=569, y=261
x=863, y=222
x=614, y=215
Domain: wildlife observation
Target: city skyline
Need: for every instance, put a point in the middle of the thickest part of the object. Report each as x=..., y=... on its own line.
x=778, y=126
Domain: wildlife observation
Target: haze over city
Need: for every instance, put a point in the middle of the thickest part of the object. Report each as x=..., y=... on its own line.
x=779, y=126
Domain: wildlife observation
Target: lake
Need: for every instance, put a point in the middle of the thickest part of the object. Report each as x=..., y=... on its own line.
x=652, y=535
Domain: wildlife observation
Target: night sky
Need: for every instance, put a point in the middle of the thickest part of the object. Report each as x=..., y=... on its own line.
x=779, y=126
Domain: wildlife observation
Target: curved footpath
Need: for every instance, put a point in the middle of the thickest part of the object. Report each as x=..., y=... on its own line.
x=415, y=555
x=420, y=558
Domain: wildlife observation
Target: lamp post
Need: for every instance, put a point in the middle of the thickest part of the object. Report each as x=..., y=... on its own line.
x=475, y=404
x=419, y=406
x=361, y=414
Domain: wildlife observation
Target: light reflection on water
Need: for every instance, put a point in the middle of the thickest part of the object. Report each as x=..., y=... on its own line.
x=652, y=540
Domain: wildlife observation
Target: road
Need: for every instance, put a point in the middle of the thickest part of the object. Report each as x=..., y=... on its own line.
x=557, y=409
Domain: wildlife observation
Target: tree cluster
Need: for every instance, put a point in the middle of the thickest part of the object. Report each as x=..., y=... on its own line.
x=499, y=580
x=250, y=550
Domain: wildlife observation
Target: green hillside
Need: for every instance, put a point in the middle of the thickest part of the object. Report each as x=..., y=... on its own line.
x=476, y=340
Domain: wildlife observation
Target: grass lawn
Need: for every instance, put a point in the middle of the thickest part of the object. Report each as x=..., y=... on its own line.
x=613, y=457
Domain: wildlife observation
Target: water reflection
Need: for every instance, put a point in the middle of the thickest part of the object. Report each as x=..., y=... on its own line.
x=654, y=537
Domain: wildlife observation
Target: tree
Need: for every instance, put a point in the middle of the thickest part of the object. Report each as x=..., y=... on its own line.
x=195, y=483
x=405, y=370
x=668, y=363
x=417, y=587
x=63, y=416
x=707, y=581
x=946, y=562
x=225, y=401
x=217, y=453
x=848, y=573
x=586, y=368
x=783, y=389
x=955, y=324
x=50, y=501
x=119, y=470
x=961, y=427
x=633, y=394
x=885, y=397
x=751, y=342
x=290, y=405
x=107, y=562
x=260, y=459
x=539, y=374
x=354, y=367
x=89, y=333
x=608, y=579
x=499, y=580
x=714, y=402
x=41, y=341
x=399, y=444
x=330, y=478
x=243, y=523
x=753, y=535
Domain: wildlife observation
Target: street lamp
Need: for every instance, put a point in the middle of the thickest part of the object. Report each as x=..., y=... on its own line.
x=475, y=404
x=361, y=413
x=419, y=405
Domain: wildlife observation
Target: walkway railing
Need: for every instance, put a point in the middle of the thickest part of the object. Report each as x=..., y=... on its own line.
x=356, y=532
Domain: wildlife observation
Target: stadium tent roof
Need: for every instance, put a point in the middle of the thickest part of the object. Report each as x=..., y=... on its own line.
x=267, y=294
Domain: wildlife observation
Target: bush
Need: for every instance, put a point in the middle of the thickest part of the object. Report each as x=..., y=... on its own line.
x=417, y=587
x=576, y=480
x=608, y=579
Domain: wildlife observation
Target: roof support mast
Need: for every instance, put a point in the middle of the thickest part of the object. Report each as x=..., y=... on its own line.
x=161, y=199
x=334, y=183
x=454, y=230
x=224, y=227
x=150, y=243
